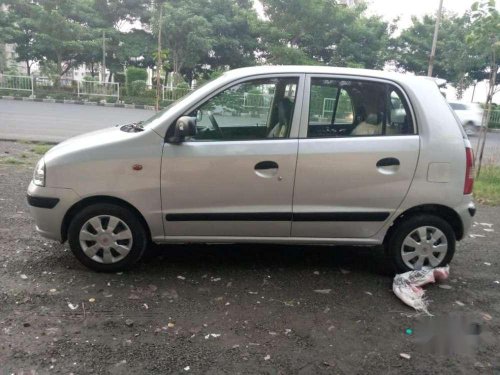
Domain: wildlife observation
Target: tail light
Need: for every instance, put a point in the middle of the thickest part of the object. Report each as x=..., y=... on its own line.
x=469, y=171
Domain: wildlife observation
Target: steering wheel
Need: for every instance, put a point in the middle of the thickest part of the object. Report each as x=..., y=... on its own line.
x=214, y=123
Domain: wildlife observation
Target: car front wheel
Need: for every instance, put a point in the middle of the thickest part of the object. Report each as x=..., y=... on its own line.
x=421, y=240
x=107, y=237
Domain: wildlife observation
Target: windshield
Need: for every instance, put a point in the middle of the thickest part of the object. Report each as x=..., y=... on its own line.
x=161, y=112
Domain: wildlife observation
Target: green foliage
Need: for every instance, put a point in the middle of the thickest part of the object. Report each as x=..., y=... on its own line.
x=303, y=31
x=41, y=148
x=136, y=74
x=487, y=187
x=136, y=88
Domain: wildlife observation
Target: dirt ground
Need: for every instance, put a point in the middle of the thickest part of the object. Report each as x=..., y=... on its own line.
x=231, y=309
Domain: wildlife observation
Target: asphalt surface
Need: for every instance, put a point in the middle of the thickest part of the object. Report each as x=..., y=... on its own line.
x=55, y=122
x=236, y=309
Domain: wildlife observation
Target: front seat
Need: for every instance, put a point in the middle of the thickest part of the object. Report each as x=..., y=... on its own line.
x=282, y=128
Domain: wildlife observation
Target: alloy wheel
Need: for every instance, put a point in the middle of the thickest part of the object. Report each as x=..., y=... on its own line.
x=105, y=239
x=424, y=246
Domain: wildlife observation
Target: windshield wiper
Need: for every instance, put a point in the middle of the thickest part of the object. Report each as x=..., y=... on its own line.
x=133, y=127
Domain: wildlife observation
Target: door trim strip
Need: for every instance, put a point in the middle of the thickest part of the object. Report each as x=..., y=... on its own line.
x=279, y=216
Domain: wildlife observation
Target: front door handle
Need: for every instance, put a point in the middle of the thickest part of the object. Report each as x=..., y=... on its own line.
x=266, y=168
x=388, y=165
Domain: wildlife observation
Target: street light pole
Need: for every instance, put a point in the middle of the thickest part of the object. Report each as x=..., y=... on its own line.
x=434, y=39
x=158, y=60
x=103, y=73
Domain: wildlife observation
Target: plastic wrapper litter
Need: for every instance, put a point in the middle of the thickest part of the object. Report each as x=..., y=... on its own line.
x=408, y=286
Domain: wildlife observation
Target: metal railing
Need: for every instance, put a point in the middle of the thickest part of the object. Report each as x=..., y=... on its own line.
x=495, y=119
x=173, y=93
x=96, y=88
x=16, y=83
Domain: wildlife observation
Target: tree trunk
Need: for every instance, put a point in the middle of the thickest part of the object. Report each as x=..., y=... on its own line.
x=28, y=67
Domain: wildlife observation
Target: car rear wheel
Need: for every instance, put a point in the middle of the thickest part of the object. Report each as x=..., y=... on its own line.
x=419, y=241
x=107, y=237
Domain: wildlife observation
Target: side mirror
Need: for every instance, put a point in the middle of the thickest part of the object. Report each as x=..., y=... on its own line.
x=184, y=127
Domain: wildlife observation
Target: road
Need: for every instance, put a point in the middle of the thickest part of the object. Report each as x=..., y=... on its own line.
x=55, y=122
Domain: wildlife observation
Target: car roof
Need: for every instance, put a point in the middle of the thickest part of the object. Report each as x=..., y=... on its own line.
x=313, y=69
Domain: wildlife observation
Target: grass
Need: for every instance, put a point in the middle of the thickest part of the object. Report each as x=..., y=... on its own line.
x=487, y=186
x=41, y=148
x=12, y=161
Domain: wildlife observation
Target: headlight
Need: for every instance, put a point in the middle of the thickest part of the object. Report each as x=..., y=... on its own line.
x=39, y=173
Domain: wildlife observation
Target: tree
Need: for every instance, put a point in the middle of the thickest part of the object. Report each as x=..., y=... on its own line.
x=455, y=61
x=325, y=32
x=53, y=30
x=485, y=34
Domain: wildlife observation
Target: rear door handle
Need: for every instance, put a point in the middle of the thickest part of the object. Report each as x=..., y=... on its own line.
x=388, y=166
x=266, y=168
x=388, y=162
x=264, y=165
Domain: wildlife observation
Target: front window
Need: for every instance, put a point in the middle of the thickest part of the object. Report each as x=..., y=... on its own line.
x=258, y=109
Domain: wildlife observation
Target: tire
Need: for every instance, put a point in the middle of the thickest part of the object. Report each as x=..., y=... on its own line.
x=109, y=250
x=406, y=249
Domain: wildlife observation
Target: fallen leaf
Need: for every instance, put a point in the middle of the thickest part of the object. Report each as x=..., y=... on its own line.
x=72, y=307
x=404, y=355
x=181, y=277
x=444, y=286
x=267, y=357
x=187, y=368
x=23, y=276
x=487, y=263
x=91, y=299
x=487, y=317
x=170, y=325
x=460, y=303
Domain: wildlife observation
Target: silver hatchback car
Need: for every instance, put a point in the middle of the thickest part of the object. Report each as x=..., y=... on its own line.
x=288, y=154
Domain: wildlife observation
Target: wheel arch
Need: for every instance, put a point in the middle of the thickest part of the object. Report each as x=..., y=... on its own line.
x=444, y=212
x=95, y=200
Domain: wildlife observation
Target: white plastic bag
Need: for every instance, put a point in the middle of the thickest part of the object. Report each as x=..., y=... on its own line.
x=407, y=286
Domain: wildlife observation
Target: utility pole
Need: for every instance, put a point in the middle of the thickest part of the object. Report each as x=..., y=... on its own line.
x=434, y=39
x=103, y=76
x=158, y=59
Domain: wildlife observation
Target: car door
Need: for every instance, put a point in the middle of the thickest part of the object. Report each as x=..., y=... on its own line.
x=358, y=151
x=235, y=177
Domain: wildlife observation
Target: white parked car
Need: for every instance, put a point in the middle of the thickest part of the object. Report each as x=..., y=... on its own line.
x=470, y=115
x=319, y=155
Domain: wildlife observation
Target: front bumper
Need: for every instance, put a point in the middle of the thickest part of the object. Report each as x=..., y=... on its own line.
x=48, y=206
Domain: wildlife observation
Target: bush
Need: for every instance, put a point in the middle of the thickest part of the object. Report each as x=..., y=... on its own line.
x=90, y=78
x=120, y=78
x=136, y=74
x=136, y=88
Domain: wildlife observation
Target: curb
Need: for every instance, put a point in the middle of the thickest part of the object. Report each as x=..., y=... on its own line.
x=80, y=102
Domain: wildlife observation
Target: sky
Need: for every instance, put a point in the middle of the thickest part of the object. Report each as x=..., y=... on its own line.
x=390, y=9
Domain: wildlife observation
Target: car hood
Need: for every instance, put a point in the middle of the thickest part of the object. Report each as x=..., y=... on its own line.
x=84, y=145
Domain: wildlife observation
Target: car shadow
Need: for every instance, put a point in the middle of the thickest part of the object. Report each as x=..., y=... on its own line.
x=190, y=257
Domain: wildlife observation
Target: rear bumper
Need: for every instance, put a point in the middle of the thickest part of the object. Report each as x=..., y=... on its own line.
x=466, y=211
x=48, y=206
